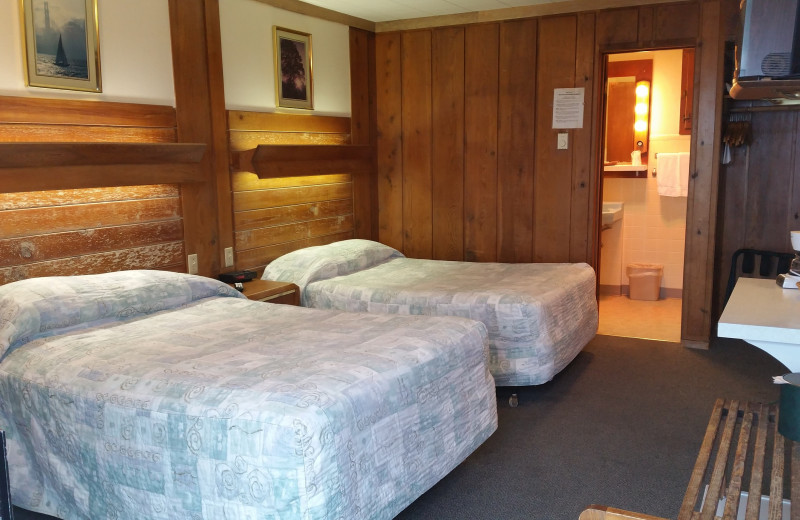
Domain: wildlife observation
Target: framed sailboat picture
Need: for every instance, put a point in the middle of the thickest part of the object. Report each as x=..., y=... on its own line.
x=61, y=45
x=293, y=80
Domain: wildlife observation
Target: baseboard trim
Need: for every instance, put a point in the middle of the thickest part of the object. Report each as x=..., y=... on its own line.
x=697, y=345
x=620, y=290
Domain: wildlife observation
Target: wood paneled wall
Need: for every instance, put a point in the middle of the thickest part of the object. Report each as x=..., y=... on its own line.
x=467, y=162
x=272, y=217
x=759, y=202
x=468, y=167
x=89, y=230
x=201, y=118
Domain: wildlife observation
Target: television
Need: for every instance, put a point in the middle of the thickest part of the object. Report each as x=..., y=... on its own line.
x=768, y=55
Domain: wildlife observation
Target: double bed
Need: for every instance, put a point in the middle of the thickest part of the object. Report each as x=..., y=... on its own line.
x=150, y=394
x=539, y=316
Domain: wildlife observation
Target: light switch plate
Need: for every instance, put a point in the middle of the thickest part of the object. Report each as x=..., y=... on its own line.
x=563, y=140
x=228, y=257
x=192, y=264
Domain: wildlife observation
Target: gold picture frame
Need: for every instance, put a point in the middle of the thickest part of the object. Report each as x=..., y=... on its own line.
x=294, y=82
x=60, y=39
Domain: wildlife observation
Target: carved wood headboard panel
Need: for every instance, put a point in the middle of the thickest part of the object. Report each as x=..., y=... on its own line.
x=272, y=217
x=90, y=230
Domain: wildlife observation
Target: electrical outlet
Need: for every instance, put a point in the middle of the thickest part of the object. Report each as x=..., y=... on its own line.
x=563, y=140
x=192, y=264
x=228, y=257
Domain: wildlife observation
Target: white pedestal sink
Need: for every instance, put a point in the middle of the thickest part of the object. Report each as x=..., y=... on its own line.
x=612, y=212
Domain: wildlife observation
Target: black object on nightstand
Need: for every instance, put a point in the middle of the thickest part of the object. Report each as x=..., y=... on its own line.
x=237, y=276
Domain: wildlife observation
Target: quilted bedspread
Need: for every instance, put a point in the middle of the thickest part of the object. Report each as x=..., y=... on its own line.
x=538, y=316
x=226, y=408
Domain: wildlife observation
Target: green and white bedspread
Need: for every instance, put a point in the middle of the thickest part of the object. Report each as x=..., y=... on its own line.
x=159, y=395
x=539, y=316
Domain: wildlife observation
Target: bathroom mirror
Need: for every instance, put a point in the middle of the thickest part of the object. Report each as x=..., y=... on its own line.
x=624, y=76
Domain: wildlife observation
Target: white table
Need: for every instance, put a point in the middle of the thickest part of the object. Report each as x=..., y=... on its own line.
x=766, y=316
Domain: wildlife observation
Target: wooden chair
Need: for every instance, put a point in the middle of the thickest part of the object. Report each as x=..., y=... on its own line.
x=770, y=265
x=595, y=512
x=742, y=453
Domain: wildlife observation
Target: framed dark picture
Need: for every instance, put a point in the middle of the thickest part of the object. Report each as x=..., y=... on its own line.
x=61, y=46
x=293, y=72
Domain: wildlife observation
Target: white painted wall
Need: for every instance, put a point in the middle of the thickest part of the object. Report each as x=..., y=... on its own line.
x=665, y=98
x=247, y=58
x=135, y=54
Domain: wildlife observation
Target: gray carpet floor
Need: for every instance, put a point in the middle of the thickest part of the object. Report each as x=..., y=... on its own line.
x=620, y=426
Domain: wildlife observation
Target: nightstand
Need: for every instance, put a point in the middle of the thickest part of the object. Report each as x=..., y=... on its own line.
x=272, y=292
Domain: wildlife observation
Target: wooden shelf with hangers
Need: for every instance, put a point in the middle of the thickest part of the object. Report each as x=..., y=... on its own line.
x=749, y=105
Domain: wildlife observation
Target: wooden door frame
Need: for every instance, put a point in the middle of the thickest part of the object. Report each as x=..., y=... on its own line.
x=698, y=282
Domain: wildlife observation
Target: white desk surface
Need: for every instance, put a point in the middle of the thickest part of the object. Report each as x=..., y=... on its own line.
x=758, y=309
x=765, y=315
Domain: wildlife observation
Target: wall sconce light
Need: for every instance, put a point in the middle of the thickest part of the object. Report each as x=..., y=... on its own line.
x=641, y=116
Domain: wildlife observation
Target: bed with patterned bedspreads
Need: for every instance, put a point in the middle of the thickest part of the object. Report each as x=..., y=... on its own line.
x=146, y=394
x=539, y=316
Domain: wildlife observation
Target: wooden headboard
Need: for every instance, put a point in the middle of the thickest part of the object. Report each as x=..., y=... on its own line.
x=90, y=230
x=274, y=216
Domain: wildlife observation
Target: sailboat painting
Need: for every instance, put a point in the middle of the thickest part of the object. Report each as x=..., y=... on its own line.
x=61, y=44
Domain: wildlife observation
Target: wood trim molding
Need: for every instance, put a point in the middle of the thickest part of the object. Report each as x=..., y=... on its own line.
x=298, y=7
x=701, y=212
x=509, y=13
x=95, y=176
x=273, y=161
x=42, y=155
x=250, y=121
x=492, y=15
x=22, y=110
x=53, y=166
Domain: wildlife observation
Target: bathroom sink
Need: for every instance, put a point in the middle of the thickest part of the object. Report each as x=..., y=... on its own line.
x=625, y=168
x=612, y=212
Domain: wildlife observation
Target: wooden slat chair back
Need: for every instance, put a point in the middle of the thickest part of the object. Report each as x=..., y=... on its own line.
x=756, y=263
x=742, y=451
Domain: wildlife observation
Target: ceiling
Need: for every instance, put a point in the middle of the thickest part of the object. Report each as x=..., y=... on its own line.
x=390, y=10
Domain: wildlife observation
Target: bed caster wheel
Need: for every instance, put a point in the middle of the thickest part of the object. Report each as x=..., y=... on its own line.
x=513, y=401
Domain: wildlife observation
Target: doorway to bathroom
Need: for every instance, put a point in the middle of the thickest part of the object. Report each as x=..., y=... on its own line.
x=646, y=144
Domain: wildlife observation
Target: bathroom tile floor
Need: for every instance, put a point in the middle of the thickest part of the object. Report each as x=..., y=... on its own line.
x=658, y=320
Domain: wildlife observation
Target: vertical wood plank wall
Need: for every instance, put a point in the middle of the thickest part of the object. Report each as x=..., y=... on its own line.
x=363, y=127
x=759, y=192
x=703, y=179
x=467, y=155
x=516, y=129
x=468, y=167
x=481, y=70
x=447, y=143
x=200, y=115
x=88, y=230
x=272, y=217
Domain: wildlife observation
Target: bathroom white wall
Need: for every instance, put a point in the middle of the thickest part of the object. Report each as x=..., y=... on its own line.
x=135, y=54
x=247, y=57
x=653, y=227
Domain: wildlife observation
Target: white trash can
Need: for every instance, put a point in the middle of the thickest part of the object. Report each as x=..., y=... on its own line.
x=645, y=281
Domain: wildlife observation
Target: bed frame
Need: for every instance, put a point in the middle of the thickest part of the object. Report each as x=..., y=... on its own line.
x=5, y=490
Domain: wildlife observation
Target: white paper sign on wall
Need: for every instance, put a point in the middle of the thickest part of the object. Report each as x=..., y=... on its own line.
x=568, y=107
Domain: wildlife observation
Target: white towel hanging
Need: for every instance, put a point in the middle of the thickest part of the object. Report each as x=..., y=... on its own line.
x=673, y=174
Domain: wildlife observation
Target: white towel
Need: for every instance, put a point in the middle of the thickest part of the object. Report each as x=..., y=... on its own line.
x=672, y=173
